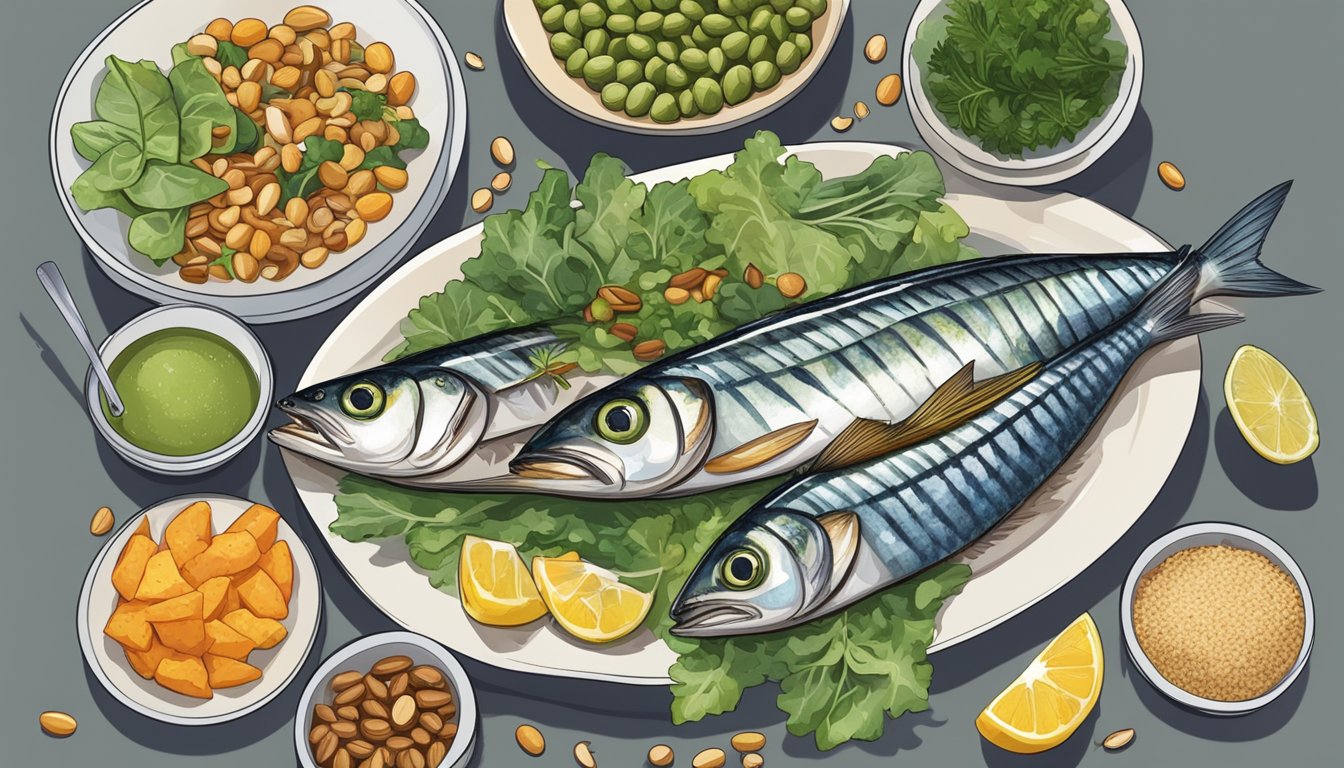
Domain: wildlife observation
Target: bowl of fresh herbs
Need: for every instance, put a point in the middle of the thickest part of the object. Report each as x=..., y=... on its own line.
x=1022, y=92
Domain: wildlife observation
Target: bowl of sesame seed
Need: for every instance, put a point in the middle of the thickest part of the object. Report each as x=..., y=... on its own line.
x=1218, y=617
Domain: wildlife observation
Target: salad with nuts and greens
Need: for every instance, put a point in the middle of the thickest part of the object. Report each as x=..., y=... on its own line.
x=262, y=151
x=675, y=59
x=634, y=272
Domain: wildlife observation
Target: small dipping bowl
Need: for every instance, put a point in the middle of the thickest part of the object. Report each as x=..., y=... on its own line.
x=360, y=655
x=193, y=317
x=1202, y=535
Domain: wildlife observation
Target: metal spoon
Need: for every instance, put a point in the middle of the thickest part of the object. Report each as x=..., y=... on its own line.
x=50, y=277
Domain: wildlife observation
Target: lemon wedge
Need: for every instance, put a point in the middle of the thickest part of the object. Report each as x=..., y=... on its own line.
x=1269, y=407
x=495, y=586
x=1047, y=702
x=590, y=602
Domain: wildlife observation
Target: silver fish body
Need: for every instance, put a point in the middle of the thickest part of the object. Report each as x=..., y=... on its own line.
x=414, y=419
x=830, y=539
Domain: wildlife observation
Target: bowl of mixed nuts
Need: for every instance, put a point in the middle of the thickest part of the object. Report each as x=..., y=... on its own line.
x=270, y=162
x=391, y=699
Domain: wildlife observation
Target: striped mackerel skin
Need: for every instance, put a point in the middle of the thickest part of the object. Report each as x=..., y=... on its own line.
x=495, y=361
x=924, y=503
x=879, y=352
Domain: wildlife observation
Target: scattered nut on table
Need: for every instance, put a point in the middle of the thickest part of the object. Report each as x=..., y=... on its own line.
x=841, y=123
x=709, y=758
x=481, y=200
x=530, y=739
x=502, y=181
x=889, y=90
x=102, y=521
x=501, y=149
x=474, y=61
x=749, y=741
x=57, y=723
x=661, y=755
x=1119, y=739
x=583, y=755
x=1171, y=175
x=875, y=49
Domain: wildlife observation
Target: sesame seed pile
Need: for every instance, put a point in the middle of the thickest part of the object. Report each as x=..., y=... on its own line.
x=1220, y=622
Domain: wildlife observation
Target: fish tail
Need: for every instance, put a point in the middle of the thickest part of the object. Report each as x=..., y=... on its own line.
x=1230, y=261
x=1167, y=310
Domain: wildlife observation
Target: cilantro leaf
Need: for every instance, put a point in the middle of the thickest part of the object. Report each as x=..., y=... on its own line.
x=460, y=311
x=366, y=105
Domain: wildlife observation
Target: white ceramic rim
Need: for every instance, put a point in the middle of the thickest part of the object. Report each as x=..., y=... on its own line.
x=242, y=339
x=1237, y=536
x=326, y=292
x=1069, y=160
x=465, y=741
x=299, y=551
x=588, y=105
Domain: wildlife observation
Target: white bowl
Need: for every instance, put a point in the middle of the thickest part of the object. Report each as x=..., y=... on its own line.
x=278, y=665
x=1212, y=534
x=361, y=654
x=532, y=43
x=148, y=31
x=215, y=321
x=1035, y=167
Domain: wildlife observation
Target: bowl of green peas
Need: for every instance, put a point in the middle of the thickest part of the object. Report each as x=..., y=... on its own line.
x=672, y=66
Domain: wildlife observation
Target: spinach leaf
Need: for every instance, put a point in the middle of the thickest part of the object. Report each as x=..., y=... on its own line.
x=610, y=202
x=247, y=134
x=95, y=137
x=89, y=198
x=667, y=236
x=412, y=135
x=304, y=181
x=117, y=168
x=201, y=106
x=366, y=105
x=180, y=54
x=159, y=234
x=877, y=207
x=138, y=97
x=230, y=55
x=164, y=186
x=379, y=156
x=460, y=311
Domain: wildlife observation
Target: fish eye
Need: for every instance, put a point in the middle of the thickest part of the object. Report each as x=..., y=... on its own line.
x=742, y=569
x=362, y=400
x=622, y=420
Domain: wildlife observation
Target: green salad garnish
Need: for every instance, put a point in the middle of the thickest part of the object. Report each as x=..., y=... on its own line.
x=1016, y=75
x=841, y=676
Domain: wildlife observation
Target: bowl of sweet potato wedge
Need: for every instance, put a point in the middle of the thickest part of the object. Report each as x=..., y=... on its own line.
x=199, y=609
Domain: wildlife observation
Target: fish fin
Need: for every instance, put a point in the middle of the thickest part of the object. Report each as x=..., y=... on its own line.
x=1167, y=308
x=842, y=528
x=958, y=400
x=1230, y=261
x=764, y=448
x=697, y=430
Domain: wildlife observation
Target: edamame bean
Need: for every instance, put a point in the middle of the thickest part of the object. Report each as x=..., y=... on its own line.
x=686, y=104
x=641, y=46
x=613, y=96
x=620, y=24
x=664, y=109
x=620, y=6
x=814, y=7
x=760, y=20
x=664, y=5
x=702, y=40
x=760, y=49
x=677, y=77
x=655, y=71
x=735, y=44
x=717, y=61
x=640, y=99
x=643, y=5
x=798, y=18
x=694, y=60
x=554, y=18
x=777, y=30
x=596, y=42
x=592, y=15
x=563, y=44
x=629, y=72
x=650, y=21
x=675, y=24
x=708, y=95
x=618, y=49
x=687, y=41
x=598, y=71
x=667, y=51
x=803, y=42
x=736, y=84
x=781, y=6
x=692, y=10
x=575, y=63
x=787, y=57
x=546, y=5
x=717, y=25
x=764, y=74
x=572, y=24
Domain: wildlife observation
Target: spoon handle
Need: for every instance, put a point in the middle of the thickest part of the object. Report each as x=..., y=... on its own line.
x=50, y=277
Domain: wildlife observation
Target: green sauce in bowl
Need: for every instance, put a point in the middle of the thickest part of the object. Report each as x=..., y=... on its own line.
x=186, y=392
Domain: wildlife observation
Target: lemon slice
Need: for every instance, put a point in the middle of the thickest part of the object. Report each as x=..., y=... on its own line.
x=495, y=586
x=589, y=601
x=1269, y=407
x=1047, y=702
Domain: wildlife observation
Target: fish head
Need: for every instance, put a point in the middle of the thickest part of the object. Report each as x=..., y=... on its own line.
x=768, y=568
x=640, y=435
x=388, y=420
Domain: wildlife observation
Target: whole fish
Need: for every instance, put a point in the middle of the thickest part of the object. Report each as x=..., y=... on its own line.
x=413, y=420
x=770, y=396
x=926, y=487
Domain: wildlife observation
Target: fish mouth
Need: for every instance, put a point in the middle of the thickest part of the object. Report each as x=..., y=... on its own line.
x=304, y=431
x=714, y=617
x=561, y=464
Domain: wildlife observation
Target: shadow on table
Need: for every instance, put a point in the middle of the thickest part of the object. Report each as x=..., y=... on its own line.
x=1035, y=626
x=1288, y=487
x=1066, y=755
x=1256, y=725
x=576, y=140
x=1116, y=180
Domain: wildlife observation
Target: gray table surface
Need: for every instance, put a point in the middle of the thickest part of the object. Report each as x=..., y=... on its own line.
x=1241, y=94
